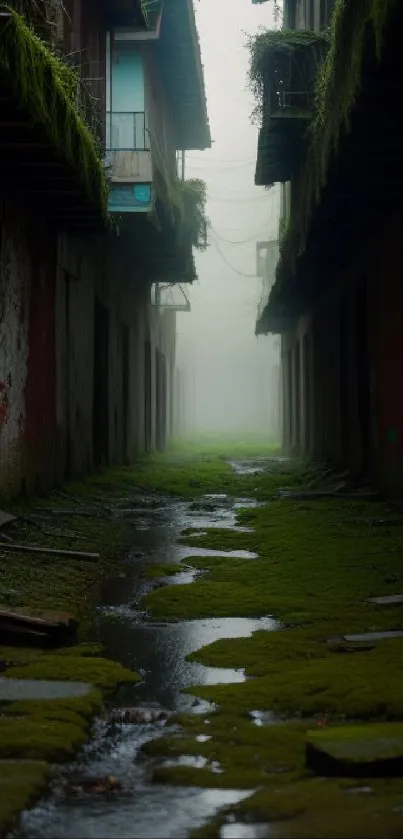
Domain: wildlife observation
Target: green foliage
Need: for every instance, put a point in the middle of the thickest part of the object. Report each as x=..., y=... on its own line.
x=338, y=86
x=278, y=55
x=21, y=785
x=45, y=87
x=193, y=222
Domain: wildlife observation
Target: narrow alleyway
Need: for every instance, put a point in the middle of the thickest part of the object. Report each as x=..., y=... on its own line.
x=268, y=682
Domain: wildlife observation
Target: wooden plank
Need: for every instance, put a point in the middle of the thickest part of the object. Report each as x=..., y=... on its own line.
x=6, y=518
x=84, y=555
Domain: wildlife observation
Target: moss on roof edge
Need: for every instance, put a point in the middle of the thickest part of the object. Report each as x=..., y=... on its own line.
x=45, y=87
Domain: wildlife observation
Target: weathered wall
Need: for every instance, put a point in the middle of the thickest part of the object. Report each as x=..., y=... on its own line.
x=350, y=387
x=27, y=360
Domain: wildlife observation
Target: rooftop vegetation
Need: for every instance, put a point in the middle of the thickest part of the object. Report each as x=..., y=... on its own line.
x=282, y=74
x=45, y=87
x=280, y=56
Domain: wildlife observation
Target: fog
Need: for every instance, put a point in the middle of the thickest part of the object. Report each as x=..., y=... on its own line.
x=228, y=372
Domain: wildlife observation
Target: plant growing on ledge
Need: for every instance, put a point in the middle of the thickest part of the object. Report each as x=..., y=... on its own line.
x=282, y=75
x=45, y=88
x=193, y=224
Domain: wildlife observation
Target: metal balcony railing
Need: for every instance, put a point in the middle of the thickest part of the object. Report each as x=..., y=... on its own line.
x=126, y=131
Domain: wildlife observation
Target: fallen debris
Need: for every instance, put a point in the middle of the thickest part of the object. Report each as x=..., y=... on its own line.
x=85, y=555
x=139, y=716
x=97, y=786
x=6, y=518
x=51, y=626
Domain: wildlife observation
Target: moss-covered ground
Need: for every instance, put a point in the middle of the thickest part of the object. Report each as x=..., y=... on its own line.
x=35, y=734
x=318, y=562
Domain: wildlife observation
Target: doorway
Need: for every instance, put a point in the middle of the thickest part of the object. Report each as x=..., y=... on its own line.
x=101, y=385
x=363, y=374
x=147, y=396
x=125, y=392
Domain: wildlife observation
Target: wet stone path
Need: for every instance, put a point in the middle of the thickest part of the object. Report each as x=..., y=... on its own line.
x=158, y=651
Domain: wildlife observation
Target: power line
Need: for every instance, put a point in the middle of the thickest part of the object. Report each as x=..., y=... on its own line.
x=236, y=199
x=254, y=238
x=220, y=160
x=236, y=270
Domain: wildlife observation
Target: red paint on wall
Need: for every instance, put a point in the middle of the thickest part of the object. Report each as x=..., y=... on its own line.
x=40, y=389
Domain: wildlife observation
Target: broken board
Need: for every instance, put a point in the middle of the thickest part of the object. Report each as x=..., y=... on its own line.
x=30, y=626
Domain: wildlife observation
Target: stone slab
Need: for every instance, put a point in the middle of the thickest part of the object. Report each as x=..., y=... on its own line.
x=365, y=637
x=12, y=690
x=367, y=750
x=373, y=636
x=388, y=600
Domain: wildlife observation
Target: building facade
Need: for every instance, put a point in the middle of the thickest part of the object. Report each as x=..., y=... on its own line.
x=336, y=300
x=91, y=216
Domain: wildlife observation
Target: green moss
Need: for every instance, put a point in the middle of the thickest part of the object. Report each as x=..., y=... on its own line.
x=79, y=710
x=318, y=563
x=38, y=738
x=156, y=570
x=46, y=88
x=21, y=784
x=101, y=672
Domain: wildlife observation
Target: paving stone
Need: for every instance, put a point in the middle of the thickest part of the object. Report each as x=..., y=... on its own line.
x=364, y=638
x=374, y=636
x=12, y=690
x=370, y=750
x=388, y=600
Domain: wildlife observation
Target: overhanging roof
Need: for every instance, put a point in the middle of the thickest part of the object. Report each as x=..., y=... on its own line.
x=179, y=58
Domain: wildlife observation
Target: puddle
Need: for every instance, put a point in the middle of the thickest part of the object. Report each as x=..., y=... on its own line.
x=12, y=690
x=194, y=761
x=161, y=649
x=237, y=830
x=250, y=467
x=187, y=552
x=260, y=718
x=157, y=650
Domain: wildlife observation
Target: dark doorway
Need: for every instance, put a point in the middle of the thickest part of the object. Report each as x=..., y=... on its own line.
x=296, y=396
x=160, y=402
x=344, y=389
x=147, y=395
x=363, y=375
x=101, y=385
x=125, y=392
x=68, y=458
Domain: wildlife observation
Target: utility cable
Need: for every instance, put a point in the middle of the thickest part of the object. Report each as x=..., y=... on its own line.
x=256, y=238
x=236, y=270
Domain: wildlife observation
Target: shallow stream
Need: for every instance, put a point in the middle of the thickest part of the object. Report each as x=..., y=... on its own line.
x=158, y=651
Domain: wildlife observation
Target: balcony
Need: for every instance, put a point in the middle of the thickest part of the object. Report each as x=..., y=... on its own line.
x=126, y=132
x=128, y=158
x=284, y=67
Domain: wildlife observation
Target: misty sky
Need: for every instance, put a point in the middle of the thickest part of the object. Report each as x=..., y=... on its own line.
x=216, y=341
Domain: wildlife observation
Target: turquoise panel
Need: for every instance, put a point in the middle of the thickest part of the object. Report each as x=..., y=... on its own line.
x=130, y=198
x=127, y=79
